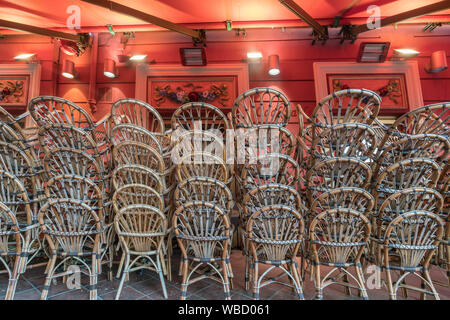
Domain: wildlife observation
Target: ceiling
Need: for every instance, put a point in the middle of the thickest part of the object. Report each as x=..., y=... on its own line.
x=53, y=14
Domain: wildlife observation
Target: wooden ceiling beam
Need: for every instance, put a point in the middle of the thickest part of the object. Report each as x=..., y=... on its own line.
x=435, y=7
x=119, y=8
x=41, y=31
x=302, y=14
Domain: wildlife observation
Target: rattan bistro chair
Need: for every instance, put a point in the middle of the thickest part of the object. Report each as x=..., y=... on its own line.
x=261, y=106
x=72, y=230
x=11, y=248
x=408, y=245
x=274, y=236
x=337, y=239
x=202, y=164
x=203, y=234
x=137, y=112
x=141, y=229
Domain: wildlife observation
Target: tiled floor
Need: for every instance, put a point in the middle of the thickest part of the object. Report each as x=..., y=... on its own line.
x=145, y=285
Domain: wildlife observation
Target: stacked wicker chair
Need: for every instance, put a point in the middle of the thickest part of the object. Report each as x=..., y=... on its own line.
x=409, y=188
x=202, y=196
x=271, y=212
x=142, y=216
x=75, y=216
x=341, y=146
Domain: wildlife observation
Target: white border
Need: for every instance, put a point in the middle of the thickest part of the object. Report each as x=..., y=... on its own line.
x=33, y=70
x=240, y=70
x=408, y=68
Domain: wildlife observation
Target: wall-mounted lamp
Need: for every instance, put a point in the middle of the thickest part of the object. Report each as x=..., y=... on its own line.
x=193, y=56
x=109, y=69
x=274, y=65
x=68, y=69
x=27, y=57
x=438, y=62
x=138, y=57
x=406, y=53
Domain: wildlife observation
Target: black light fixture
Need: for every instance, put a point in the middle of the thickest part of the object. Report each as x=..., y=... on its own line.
x=193, y=56
x=373, y=52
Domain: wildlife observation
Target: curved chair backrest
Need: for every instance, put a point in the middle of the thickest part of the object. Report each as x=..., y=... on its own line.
x=271, y=168
x=70, y=226
x=199, y=116
x=345, y=106
x=14, y=195
x=343, y=198
x=345, y=140
x=339, y=236
x=131, y=132
x=71, y=186
x=429, y=146
x=430, y=119
x=204, y=189
x=59, y=135
x=335, y=173
x=202, y=164
x=275, y=233
x=10, y=240
x=136, y=194
x=261, y=106
x=61, y=161
x=187, y=142
x=137, y=174
x=48, y=109
x=201, y=227
x=141, y=228
x=406, y=174
x=131, y=152
x=137, y=112
x=411, y=199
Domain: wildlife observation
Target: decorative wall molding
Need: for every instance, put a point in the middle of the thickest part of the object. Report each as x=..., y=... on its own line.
x=408, y=68
x=239, y=70
x=33, y=70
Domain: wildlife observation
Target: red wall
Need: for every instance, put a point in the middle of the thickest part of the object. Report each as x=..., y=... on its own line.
x=293, y=46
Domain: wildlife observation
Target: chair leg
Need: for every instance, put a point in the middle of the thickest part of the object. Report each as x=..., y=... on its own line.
x=247, y=273
x=184, y=284
x=119, y=270
x=161, y=276
x=362, y=290
x=392, y=294
x=12, y=282
x=348, y=291
x=226, y=283
x=48, y=278
x=93, y=278
x=124, y=275
x=426, y=275
x=255, y=280
x=298, y=282
x=319, y=294
x=404, y=290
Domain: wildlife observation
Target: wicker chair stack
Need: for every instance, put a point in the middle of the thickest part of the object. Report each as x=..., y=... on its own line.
x=202, y=196
x=141, y=181
x=74, y=211
x=271, y=209
x=20, y=198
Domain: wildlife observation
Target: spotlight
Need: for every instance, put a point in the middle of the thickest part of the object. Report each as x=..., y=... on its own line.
x=438, y=62
x=68, y=69
x=274, y=65
x=109, y=69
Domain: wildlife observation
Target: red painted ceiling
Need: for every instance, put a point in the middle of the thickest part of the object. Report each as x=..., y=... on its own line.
x=52, y=13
